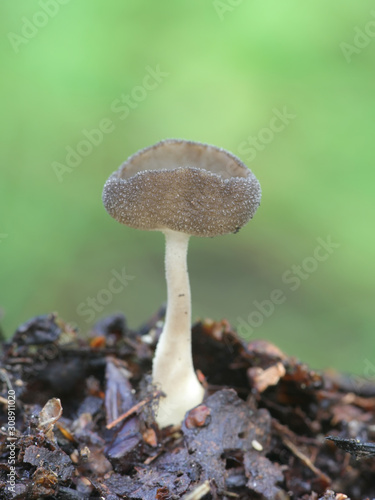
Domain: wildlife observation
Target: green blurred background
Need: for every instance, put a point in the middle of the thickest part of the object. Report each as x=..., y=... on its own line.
x=224, y=68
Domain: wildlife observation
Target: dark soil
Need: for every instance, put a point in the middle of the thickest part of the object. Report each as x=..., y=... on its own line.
x=260, y=433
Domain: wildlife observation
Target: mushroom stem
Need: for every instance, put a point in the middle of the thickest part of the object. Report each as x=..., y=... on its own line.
x=173, y=368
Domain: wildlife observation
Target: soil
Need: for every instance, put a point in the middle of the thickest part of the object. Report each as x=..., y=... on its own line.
x=84, y=420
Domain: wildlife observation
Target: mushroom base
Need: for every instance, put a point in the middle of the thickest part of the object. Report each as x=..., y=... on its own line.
x=182, y=394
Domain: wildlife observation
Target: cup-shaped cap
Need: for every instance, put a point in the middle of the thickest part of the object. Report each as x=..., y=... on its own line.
x=184, y=186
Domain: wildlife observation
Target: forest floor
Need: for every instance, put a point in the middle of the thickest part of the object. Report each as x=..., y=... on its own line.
x=260, y=433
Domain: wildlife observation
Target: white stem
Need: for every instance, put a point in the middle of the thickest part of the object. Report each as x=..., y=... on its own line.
x=173, y=367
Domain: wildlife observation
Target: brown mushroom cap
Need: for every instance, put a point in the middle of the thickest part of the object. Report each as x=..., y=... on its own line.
x=185, y=186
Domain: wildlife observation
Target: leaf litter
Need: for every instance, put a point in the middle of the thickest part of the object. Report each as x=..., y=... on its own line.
x=270, y=428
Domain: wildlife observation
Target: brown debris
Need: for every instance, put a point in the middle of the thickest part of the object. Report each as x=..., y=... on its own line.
x=262, y=379
x=48, y=416
x=149, y=436
x=56, y=462
x=265, y=350
x=85, y=427
x=198, y=417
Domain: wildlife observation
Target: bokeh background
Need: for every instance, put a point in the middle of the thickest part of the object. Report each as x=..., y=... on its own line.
x=220, y=72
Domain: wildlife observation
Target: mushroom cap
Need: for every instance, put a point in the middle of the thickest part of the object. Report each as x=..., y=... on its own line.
x=184, y=186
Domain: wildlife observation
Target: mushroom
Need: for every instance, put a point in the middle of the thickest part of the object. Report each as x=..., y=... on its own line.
x=181, y=188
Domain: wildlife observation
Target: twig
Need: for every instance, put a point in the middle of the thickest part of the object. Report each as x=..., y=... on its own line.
x=304, y=458
x=283, y=432
x=134, y=409
x=230, y=494
x=4, y=376
x=199, y=492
